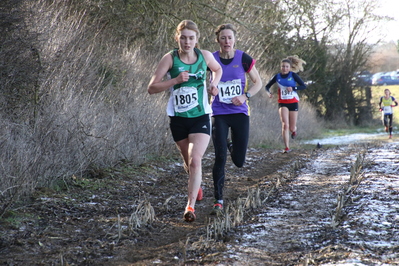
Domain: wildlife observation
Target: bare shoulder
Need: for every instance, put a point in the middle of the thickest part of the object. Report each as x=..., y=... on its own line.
x=206, y=53
x=166, y=61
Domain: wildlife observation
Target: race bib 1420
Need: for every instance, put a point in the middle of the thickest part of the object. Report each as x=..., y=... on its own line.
x=229, y=89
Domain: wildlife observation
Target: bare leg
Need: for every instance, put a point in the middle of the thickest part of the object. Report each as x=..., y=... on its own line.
x=284, y=117
x=192, y=150
x=293, y=117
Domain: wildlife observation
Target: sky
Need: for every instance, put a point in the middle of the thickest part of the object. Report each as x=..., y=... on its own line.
x=390, y=8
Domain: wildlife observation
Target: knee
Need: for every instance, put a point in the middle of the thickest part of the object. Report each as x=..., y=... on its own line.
x=238, y=162
x=195, y=162
x=285, y=126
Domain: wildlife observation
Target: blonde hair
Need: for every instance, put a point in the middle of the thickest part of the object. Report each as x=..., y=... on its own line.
x=187, y=24
x=295, y=62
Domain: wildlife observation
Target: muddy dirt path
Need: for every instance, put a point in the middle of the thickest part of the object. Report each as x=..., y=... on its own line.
x=282, y=213
x=304, y=223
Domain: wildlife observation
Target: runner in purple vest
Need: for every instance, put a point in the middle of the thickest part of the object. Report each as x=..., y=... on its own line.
x=230, y=110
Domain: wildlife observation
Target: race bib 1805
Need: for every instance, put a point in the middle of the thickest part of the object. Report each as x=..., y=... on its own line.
x=185, y=99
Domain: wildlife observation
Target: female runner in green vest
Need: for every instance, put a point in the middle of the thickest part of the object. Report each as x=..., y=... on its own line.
x=188, y=106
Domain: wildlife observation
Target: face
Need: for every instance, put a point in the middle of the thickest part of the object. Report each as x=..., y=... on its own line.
x=187, y=40
x=387, y=92
x=226, y=40
x=285, y=68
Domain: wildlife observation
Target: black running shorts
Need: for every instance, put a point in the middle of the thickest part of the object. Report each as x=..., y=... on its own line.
x=181, y=127
x=290, y=106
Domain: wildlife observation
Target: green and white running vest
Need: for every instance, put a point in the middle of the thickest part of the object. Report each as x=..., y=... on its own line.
x=189, y=99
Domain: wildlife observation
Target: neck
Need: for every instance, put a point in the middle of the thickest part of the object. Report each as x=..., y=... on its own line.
x=187, y=57
x=227, y=55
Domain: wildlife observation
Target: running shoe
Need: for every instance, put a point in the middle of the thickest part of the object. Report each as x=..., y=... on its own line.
x=200, y=194
x=293, y=135
x=217, y=208
x=386, y=129
x=189, y=215
x=390, y=136
x=286, y=150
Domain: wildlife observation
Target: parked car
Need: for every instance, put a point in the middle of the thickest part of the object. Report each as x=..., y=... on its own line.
x=362, y=80
x=376, y=76
x=386, y=80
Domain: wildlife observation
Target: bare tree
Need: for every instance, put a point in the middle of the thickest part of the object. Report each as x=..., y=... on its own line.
x=333, y=37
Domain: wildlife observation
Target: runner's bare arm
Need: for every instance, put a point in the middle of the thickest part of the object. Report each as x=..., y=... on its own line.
x=157, y=83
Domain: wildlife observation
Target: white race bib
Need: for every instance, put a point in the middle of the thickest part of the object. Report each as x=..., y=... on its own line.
x=285, y=94
x=387, y=109
x=229, y=89
x=185, y=99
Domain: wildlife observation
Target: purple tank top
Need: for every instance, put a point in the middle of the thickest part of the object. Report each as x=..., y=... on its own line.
x=233, y=83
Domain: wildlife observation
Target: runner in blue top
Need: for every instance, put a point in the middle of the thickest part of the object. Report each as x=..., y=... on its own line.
x=289, y=83
x=188, y=106
x=230, y=108
x=386, y=104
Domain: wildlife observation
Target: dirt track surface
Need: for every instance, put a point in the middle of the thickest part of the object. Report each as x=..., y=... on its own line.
x=95, y=222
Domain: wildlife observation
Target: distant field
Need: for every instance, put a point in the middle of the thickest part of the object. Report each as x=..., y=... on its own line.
x=377, y=92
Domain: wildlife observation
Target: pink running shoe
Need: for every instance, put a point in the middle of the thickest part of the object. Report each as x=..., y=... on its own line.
x=286, y=150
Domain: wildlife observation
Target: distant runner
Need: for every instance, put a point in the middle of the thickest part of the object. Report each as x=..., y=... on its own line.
x=386, y=104
x=288, y=83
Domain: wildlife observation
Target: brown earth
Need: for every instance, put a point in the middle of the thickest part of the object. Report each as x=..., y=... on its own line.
x=93, y=220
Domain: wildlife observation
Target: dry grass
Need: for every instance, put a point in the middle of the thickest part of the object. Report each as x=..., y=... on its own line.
x=90, y=106
x=92, y=112
x=343, y=197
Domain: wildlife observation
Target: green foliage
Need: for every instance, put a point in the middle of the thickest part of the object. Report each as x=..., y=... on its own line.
x=16, y=219
x=90, y=184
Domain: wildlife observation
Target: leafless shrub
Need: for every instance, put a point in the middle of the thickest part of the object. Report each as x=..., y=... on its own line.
x=143, y=215
x=89, y=111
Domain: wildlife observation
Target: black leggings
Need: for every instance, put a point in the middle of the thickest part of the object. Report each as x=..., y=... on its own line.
x=388, y=122
x=239, y=125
